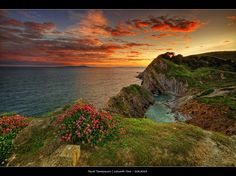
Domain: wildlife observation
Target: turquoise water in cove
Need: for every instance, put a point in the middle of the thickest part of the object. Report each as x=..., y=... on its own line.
x=35, y=91
x=160, y=112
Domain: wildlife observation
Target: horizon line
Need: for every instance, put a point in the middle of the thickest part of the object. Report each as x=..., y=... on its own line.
x=45, y=66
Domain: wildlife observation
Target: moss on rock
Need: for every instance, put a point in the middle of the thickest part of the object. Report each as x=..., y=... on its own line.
x=132, y=101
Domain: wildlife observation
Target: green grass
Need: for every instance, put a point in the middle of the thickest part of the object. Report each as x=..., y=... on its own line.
x=219, y=101
x=34, y=143
x=149, y=143
x=146, y=143
x=201, y=78
x=135, y=89
x=221, y=139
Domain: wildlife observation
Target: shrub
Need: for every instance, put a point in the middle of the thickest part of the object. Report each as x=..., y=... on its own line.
x=83, y=124
x=10, y=125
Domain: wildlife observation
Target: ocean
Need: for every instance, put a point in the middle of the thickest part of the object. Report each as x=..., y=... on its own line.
x=33, y=91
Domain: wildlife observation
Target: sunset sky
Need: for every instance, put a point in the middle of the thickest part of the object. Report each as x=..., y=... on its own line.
x=108, y=38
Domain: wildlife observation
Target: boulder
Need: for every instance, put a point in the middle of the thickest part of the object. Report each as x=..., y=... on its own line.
x=65, y=155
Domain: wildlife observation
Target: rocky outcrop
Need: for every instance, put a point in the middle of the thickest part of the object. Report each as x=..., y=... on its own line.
x=156, y=79
x=132, y=101
x=65, y=155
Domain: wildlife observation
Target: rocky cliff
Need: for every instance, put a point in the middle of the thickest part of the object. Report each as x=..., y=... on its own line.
x=179, y=75
x=132, y=101
x=156, y=77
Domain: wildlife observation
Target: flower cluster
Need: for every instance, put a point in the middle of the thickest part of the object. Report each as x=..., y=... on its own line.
x=12, y=123
x=83, y=124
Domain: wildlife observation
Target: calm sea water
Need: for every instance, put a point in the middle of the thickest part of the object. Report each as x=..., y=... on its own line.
x=35, y=91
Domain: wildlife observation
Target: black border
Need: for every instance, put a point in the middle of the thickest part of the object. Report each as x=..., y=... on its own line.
x=117, y=4
x=82, y=171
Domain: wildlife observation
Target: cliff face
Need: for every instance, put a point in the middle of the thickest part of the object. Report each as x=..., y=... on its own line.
x=156, y=79
x=180, y=75
x=132, y=101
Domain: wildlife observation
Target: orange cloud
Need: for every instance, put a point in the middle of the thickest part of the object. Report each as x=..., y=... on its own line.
x=90, y=24
x=135, y=52
x=183, y=26
x=27, y=47
x=137, y=44
x=165, y=49
x=166, y=24
x=96, y=24
x=120, y=30
x=139, y=23
x=11, y=22
x=233, y=18
x=154, y=36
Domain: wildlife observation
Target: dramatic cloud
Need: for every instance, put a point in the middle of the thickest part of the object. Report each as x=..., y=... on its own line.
x=96, y=24
x=37, y=30
x=24, y=29
x=167, y=24
x=97, y=37
x=91, y=24
x=137, y=23
x=137, y=44
x=159, y=36
x=120, y=30
x=30, y=43
x=174, y=24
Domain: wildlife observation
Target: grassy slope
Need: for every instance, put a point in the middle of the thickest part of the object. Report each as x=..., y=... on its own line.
x=221, y=54
x=201, y=78
x=37, y=140
x=148, y=143
x=204, y=79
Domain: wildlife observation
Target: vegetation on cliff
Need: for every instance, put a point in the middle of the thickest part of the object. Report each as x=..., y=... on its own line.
x=208, y=80
x=132, y=101
x=179, y=75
